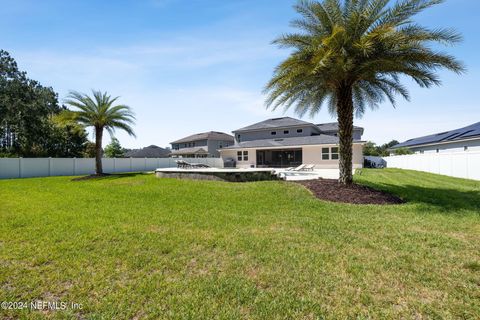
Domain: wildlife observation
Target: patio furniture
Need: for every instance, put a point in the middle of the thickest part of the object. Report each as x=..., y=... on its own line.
x=299, y=168
x=182, y=164
x=187, y=165
x=308, y=167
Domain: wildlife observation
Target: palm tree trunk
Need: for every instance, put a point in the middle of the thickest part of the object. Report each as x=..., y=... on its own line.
x=345, y=132
x=98, y=150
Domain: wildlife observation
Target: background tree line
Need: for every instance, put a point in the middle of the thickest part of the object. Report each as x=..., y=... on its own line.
x=371, y=149
x=28, y=118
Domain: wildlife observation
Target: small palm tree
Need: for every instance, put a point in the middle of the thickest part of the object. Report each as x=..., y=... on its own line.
x=350, y=55
x=100, y=113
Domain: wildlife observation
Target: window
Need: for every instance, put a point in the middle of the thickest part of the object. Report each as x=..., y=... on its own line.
x=220, y=145
x=286, y=132
x=245, y=155
x=325, y=154
x=438, y=150
x=239, y=155
x=334, y=152
x=465, y=148
x=238, y=138
x=422, y=151
x=299, y=130
x=273, y=133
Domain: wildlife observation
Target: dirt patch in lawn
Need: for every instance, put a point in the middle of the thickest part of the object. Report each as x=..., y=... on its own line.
x=109, y=176
x=331, y=190
x=92, y=176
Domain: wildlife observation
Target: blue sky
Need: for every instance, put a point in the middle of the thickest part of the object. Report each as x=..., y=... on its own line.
x=200, y=65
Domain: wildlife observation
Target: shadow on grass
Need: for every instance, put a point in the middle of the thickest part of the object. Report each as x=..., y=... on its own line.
x=113, y=176
x=443, y=199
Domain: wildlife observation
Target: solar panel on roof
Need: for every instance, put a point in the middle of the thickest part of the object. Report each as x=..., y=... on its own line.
x=464, y=133
x=469, y=131
x=452, y=136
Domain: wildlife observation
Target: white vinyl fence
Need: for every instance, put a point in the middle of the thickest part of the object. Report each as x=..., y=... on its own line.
x=462, y=164
x=45, y=167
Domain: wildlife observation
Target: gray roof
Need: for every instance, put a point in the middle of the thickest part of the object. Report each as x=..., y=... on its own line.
x=275, y=123
x=148, y=152
x=194, y=150
x=332, y=126
x=468, y=132
x=211, y=135
x=290, y=122
x=295, y=141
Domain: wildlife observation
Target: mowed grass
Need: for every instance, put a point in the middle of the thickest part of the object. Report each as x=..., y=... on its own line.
x=138, y=247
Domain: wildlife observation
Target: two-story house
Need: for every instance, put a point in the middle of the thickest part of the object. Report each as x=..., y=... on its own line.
x=201, y=145
x=287, y=142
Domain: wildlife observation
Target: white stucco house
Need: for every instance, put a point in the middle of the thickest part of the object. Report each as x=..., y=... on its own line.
x=287, y=142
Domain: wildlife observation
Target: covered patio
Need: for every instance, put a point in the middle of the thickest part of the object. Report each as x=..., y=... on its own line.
x=279, y=158
x=190, y=153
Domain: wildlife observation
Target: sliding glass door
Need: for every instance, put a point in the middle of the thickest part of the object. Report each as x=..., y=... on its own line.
x=279, y=158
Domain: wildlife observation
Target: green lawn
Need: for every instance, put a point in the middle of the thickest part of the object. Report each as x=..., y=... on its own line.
x=136, y=247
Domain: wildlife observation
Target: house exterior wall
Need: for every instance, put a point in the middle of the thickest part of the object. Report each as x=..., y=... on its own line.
x=357, y=133
x=232, y=154
x=313, y=155
x=310, y=155
x=292, y=132
x=189, y=144
x=215, y=145
x=472, y=145
x=267, y=134
x=211, y=146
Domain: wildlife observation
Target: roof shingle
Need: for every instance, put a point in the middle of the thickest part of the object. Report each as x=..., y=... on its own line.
x=211, y=135
x=197, y=150
x=332, y=126
x=148, y=152
x=275, y=123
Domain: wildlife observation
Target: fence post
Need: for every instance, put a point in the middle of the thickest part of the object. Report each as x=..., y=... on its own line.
x=20, y=167
x=145, y=163
x=74, y=166
x=49, y=166
x=466, y=166
x=130, y=164
x=114, y=164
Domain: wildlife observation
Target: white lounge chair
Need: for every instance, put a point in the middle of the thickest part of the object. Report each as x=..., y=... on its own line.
x=299, y=168
x=309, y=167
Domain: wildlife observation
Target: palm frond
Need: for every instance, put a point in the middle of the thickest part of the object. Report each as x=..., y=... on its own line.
x=100, y=111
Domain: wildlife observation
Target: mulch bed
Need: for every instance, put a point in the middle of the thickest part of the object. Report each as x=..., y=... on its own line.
x=331, y=190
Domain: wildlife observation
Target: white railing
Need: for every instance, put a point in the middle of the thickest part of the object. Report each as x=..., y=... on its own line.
x=460, y=164
x=45, y=167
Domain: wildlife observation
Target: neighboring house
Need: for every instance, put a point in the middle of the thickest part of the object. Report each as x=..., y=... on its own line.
x=148, y=152
x=286, y=142
x=201, y=145
x=458, y=140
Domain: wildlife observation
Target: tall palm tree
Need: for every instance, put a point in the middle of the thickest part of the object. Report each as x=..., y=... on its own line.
x=100, y=113
x=350, y=55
